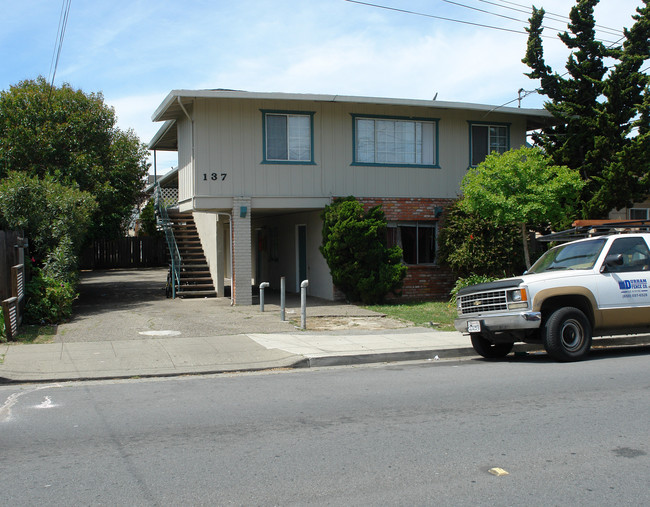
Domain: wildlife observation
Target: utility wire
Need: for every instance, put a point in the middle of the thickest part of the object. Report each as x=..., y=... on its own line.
x=504, y=16
x=58, y=44
x=453, y=20
x=405, y=11
x=555, y=17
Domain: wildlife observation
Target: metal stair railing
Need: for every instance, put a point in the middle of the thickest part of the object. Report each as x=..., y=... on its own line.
x=164, y=221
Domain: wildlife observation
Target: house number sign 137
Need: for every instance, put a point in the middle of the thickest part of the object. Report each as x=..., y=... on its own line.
x=215, y=176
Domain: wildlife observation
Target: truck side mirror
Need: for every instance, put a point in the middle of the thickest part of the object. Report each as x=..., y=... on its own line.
x=611, y=261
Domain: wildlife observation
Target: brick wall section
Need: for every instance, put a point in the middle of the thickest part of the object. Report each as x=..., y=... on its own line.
x=242, y=256
x=423, y=282
x=405, y=208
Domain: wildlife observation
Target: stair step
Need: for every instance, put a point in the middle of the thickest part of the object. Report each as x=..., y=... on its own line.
x=196, y=294
x=196, y=286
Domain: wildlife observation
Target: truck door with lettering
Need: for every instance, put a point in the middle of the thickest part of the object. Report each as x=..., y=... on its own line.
x=623, y=283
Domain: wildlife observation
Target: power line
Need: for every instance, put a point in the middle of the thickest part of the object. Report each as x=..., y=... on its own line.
x=504, y=16
x=555, y=17
x=58, y=44
x=453, y=20
x=405, y=11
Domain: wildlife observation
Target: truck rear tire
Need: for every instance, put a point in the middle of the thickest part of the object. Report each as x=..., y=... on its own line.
x=489, y=350
x=567, y=335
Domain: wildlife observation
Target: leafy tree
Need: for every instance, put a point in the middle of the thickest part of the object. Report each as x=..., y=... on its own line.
x=356, y=251
x=72, y=137
x=520, y=187
x=471, y=244
x=603, y=110
x=53, y=216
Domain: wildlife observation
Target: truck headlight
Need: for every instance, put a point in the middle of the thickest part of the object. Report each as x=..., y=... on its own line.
x=517, y=298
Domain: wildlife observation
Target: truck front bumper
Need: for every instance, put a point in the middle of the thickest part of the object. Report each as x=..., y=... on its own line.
x=510, y=321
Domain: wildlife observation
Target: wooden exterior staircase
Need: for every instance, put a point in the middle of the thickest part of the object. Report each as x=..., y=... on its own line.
x=195, y=278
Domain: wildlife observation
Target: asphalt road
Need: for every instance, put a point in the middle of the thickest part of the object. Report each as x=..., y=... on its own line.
x=403, y=434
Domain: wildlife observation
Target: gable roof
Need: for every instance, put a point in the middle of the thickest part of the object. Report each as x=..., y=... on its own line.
x=175, y=104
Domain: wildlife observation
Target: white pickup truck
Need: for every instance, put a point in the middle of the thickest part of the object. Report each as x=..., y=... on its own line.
x=591, y=287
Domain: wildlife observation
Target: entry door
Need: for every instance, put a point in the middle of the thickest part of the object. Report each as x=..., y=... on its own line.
x=301, y=255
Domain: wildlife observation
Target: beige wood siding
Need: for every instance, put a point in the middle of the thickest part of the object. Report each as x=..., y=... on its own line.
x=185, y=176
x=229, y=152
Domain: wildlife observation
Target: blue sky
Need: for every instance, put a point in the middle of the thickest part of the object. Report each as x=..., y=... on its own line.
x=135, y=52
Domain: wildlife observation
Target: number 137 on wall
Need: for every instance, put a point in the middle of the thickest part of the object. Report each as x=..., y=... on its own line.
x=215, y=176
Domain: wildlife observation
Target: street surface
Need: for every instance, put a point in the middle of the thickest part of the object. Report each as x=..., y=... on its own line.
x=398, y=434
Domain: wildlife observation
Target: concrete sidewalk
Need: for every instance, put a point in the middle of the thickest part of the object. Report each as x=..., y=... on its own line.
x=125, y=328
x=218, y=354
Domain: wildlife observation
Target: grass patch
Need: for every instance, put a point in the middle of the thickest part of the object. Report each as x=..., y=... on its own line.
x=442, y=314
x=35, y=334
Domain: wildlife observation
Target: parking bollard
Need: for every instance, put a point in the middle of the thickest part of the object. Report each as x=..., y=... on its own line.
x=303, y=303
x=263, y=286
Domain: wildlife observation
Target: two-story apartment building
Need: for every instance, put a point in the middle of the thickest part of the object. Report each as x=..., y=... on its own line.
x=257, y=169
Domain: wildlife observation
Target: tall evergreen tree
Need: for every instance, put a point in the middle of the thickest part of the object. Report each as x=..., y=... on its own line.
x=602, y=111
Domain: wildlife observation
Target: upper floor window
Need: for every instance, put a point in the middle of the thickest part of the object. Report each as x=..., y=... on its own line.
x=395, y=141
x=288, y=137
x=487, y=138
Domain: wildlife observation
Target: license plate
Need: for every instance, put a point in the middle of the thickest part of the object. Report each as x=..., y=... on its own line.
x=474, y=326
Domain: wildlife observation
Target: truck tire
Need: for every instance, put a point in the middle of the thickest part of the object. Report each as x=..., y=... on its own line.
x=567, y=335
x=489, y=350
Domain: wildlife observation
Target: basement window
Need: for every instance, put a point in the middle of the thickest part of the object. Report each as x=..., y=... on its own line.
x=416, y=239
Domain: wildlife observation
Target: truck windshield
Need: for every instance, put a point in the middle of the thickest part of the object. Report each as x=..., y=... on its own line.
x=582, y=255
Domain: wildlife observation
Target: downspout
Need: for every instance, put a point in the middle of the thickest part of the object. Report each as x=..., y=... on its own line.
x=232, y=260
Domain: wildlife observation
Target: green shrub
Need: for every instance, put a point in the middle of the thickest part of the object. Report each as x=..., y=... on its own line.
x=356, y=251
x=49, y=300
x=472, y=279
x=471, y=244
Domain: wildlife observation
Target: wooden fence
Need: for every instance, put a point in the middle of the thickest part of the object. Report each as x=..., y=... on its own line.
x=11, y=248
x=12, y=280
x=131, y=252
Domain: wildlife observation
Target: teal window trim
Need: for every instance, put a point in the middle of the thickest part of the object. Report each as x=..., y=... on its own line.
x=282, y=112
x=434, y=121
x=486, y=124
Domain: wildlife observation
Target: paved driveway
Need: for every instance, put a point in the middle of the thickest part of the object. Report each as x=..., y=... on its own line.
x=131, y=305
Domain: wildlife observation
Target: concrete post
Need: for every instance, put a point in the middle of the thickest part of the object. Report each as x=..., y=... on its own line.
x=263, y=286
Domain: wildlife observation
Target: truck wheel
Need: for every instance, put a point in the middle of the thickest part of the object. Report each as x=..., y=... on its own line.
x=489, y=350
x=567, y=335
